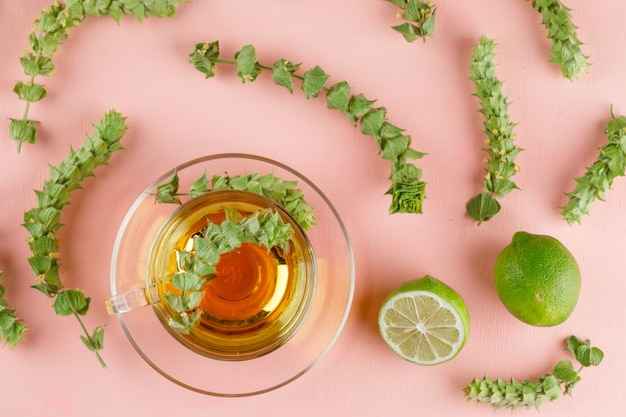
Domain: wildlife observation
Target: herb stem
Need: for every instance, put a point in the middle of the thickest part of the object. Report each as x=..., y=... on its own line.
x=89, y=338
x=44, y=221
x=407, y=189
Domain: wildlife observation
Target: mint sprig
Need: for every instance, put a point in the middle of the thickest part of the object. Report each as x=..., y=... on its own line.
x=51, y=30
x=285, y=193
x=419, y=19
x=12, y=328
x=501, y=150
x=407, y=189
x=597, y=180
x=44, y=221
x=532, y=393
x=196, y=267
x=565, y=49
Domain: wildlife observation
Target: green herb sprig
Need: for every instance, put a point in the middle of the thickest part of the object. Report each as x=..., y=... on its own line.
x=565, y=49
x=502, y=150
x=598, y=178
x=532, y=393
x=196, y=267
x=12, y=328
x=44, y=221
x=407, y=189
x=419, y=17
x=51, y=30
x=285, y=193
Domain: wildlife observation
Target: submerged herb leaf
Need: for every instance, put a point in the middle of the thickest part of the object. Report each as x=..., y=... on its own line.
x=264, y=228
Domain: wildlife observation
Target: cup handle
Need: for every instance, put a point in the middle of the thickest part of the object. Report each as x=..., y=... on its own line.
x=127, y=301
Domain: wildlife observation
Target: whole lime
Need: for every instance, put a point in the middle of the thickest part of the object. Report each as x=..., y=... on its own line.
x=537, y=279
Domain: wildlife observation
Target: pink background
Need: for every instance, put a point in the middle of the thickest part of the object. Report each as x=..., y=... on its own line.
x=141, y=70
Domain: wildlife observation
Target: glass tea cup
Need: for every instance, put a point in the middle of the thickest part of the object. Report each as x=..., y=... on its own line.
x=258, y=298
x=317, y=329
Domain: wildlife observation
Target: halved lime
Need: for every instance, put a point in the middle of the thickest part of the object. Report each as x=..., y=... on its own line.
x=424, y=321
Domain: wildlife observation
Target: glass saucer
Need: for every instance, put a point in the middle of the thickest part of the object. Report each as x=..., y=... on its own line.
x=317, y=333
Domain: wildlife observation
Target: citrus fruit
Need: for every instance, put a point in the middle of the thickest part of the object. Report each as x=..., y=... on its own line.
x=424, y=321
x=537, y=279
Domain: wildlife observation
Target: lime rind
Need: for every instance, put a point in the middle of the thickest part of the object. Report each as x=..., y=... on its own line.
x=422, y=327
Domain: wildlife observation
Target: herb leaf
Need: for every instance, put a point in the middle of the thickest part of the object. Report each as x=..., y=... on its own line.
x=502, y=150
x=482, y=207
x=51, y=29
x=284, y=193
x=407, y=188
x=12, y=328
x=43, y=221
x=566, y=52
x=532, y=393
x=598, y=178
x=70, y=302
x=419, y=17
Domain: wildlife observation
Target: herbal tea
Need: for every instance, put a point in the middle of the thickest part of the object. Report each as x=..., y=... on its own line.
x=256, y=297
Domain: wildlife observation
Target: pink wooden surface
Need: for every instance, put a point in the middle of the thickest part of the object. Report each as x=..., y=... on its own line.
x=175, y=115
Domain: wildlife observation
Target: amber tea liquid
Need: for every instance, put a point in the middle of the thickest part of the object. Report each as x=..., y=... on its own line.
x=257, y=300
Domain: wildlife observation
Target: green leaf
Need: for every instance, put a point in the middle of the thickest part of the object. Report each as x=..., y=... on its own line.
x=193, y=300
x=175, y=301
x=338, y=97
x=359, y=105
x=206, y=250
x=44, y=246
x=372, y=121
x=502, y=187
x=184, y=260
x=39, y=264
x=71, y=301
x=187, y=281
x=595, y=357
x=96, y=341
x=564, y=370
x=399, y=3
x=482, y=207
x=199, y=186
x=551, y=387
x=394, y=147
x=166, y=192
x=282, y=73
x=247, y=68
x=408, y=31
x=313, y=82
x=23, y=130
x=29, y=92
x=204, y=56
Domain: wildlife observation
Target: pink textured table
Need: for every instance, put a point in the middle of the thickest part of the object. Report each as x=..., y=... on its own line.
x=174, y=114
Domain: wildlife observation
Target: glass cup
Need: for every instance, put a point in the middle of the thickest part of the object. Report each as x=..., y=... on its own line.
x=258, y=297
x=317, y=317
